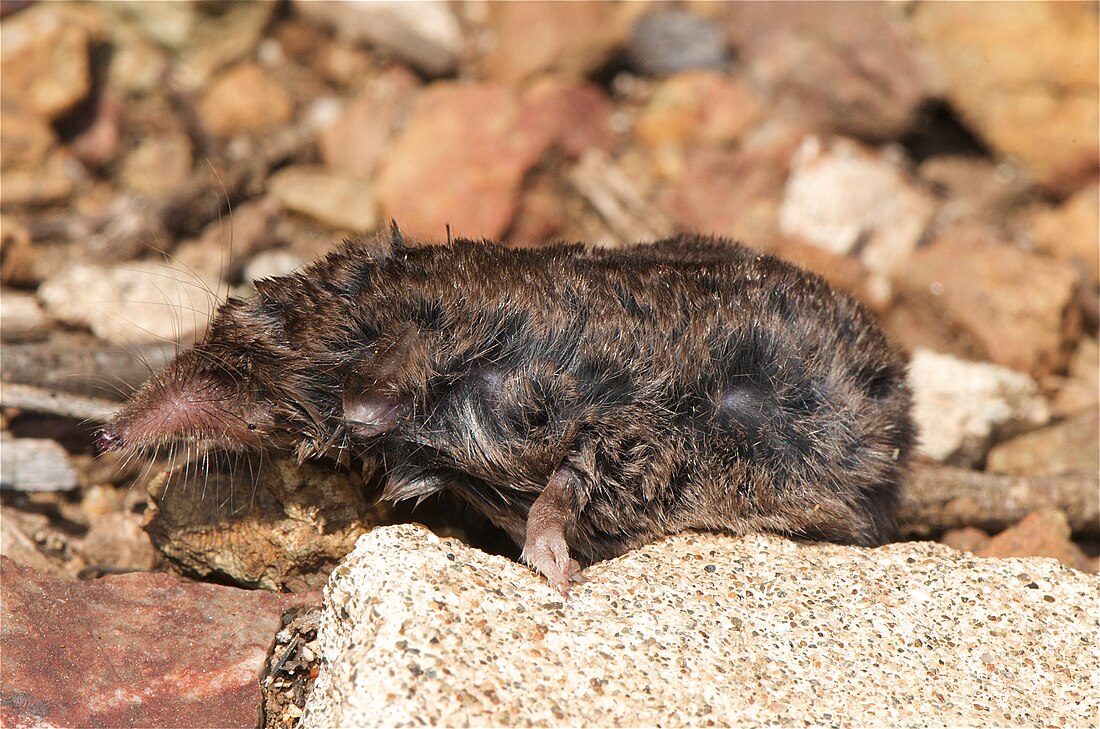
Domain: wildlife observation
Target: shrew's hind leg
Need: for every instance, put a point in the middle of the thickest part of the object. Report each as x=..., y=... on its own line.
x=545, y=549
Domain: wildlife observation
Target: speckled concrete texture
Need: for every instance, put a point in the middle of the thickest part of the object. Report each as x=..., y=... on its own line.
x=706, y=630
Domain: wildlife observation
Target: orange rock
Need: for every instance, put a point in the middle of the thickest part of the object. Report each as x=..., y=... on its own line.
x=1042, y=533
x=244, y=100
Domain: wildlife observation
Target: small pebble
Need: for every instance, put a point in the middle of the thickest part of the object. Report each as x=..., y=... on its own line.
x=670, y=41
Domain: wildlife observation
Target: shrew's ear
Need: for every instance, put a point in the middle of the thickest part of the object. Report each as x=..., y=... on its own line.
x=380, y=390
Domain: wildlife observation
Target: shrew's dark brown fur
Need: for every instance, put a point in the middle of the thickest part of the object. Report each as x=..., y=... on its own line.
x=688, y=384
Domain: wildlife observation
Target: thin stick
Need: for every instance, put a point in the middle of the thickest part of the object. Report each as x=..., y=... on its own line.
x=56, y=402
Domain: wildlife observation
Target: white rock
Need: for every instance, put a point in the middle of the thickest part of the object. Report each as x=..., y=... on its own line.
x=704, y=629
x=35, y=464
x=842, y=196
x=960, y=407
x=269, y=264
x=140, y=301
x=425, y=33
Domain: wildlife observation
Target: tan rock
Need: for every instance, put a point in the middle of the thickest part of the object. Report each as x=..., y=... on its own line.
x=282, y=527
x=425, y=34
x=334, y=198
x=204, y=38
x=45, y=59
x=459, y=161
x=1041, y=534
x=118, y=540
x=703, y=629
x=1071, y=231
x=1069, y=446
x=993, y=301
x=21, y=317
x=51, y=182
x=158, y=166
x=17, y=254
x=1080, y=390
x=703, y=108
x=975, y=190
x=137, y=63
x=139, y=301
x=1040, y=107
x=244, y=100
x=25, y=139
x=572, y=40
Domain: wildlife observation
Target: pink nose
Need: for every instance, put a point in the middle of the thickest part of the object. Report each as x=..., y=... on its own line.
x=107, y=441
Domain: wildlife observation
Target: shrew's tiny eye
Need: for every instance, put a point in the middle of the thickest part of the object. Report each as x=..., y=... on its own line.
x=251, y=426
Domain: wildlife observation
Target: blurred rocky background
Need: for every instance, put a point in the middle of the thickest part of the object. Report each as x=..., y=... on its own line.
x=938, y=160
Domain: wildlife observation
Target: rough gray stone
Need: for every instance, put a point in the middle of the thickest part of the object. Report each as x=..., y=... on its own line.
x=704, y=629
x=668, y=41
x=962, y=407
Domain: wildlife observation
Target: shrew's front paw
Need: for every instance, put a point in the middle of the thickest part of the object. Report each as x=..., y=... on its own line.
x=548, y=554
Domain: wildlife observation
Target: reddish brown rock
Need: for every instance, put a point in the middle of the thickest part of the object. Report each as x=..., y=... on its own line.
x=244, y=100
x=983, y=298
x=1042, y=533
x=843, y=272
x=734, y=193
x=848, y=67
x=570, y=115
x=966, y=539
x=459, y=161
x=571, y=39
x=1039, y=107
x=356, y=142
x=542, y=216
x=98, y=145
x=133, y=650
x=1070, y=446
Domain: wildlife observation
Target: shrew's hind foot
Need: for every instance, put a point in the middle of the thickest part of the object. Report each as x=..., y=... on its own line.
x=545, y=549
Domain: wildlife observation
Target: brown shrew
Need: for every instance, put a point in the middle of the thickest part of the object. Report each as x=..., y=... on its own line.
x=586, y=400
